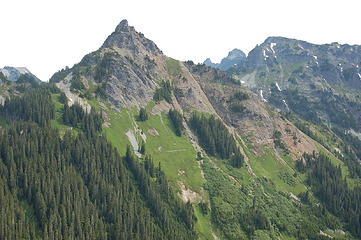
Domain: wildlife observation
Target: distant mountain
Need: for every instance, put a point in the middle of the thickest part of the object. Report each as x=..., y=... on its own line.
x=235, y=58
x=13, y=73
x=295, y=75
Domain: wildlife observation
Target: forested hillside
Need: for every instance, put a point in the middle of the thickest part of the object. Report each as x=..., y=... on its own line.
x=76, y=185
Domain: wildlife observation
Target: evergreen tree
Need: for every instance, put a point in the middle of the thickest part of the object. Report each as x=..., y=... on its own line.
x=143, y=115
x=177, y=120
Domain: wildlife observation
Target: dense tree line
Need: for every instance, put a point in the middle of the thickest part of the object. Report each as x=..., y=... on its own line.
x=79, y=187
x=34, y=105
x=333, y=191
x=214, y=137
x=75, y=116
x=177, y=121
x=160, y=198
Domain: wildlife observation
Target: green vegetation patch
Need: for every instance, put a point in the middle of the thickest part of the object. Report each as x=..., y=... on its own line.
x=173, y=67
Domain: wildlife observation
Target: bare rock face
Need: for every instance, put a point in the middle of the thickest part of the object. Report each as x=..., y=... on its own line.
x=126, y=68
x=125, y=37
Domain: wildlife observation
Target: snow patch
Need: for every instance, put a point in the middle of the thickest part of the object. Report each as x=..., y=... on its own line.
x=284, y=102
x=261, y=94
x=301, y=46
x=2, y=100
x=359, y=75
x=243, y=82
x=315, y=57
x=22, y=70
x=264, y=54
x=272, y=47
x=278, y=87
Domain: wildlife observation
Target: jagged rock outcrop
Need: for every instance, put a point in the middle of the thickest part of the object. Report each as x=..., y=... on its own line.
x=234, y=59
x=125, y=37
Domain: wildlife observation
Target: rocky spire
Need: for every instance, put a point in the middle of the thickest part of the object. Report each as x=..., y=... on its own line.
x=122, y=26
x=127, y=37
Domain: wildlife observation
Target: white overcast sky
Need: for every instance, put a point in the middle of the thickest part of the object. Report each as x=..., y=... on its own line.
x=47, y=35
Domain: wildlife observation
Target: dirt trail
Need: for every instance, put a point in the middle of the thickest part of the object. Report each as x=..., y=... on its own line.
x=177, y=150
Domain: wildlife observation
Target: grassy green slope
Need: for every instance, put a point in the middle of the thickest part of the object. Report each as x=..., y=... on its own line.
x=175, y=154
x=58, y=121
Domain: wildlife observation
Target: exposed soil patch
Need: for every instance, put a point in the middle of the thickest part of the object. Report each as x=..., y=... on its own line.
x=133, y=141
x=187, y=195
x=153, y=132
x=73, y=97
x=162, y=106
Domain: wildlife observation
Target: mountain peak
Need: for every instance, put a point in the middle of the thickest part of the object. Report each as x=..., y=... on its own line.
x=236, y=53
x=209, y=63
x=126, y=37
x=14, y=73
x=122, y=26
x=234, y=58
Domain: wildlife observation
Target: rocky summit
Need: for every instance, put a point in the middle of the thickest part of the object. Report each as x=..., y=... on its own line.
x=234, y=59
